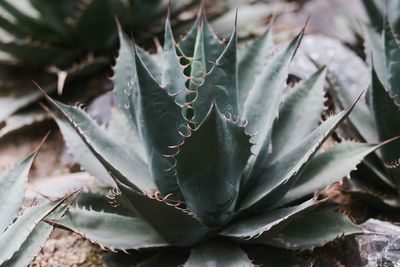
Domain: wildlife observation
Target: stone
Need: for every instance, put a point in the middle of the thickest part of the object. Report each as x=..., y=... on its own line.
x=379, y=246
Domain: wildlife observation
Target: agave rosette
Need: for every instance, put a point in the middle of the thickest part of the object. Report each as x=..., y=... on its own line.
x=208, y=165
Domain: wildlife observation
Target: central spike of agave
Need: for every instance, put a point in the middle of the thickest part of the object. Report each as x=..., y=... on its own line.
x=197, y=178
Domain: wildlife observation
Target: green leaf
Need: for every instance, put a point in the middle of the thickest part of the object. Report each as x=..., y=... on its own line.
x=12, y=191
x=374, y=199
x=276, y=257
x=280, y=175
x=172, y=77
x=166, y=258
x=212, y=46
x=361, y=122
x=218, y=253
x=126, y=135
x=38, y=55
x=374, y=13
x=169, y=257
x=110, y=230
x=97, y=14
x=319, y=227
x=269, y=88
x=32, y=26
x=385, y=52
x=176, y=225
x=299, y=115
x=13, y=238
x=198, y=67
x=258, y=226
x=221, y=83
x=56, y=14
x=125, y=77
x=18, y=92
x=392, y=53
x=209, y=166
x=150, y=61
x=387, y=117
x=374, y=46
x=250, y=63
x=22, y=120
x=31, y=247
x=161, y=125
x=82, y=154
x=328, y=167
x=126, y=166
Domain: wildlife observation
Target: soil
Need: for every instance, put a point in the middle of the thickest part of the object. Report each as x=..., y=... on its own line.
x=65, y=249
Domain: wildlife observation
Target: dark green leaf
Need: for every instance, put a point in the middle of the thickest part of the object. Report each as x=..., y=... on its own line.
x=328, y=167
x=299, y=115
x=319, y=227
x=175, y=225
x=209, y=166
x=221, y=83
x=267, y=223
x=111, y=230
x=161, y=123
x=213, y=47
x=172, y=77
x=280, y=174
x=13, y=183
x=276, y=257
x=13, y=238
x=250, y=62
x=218, y=253
x=97, y=14
x=387, y=117
x=31, y=247
x=126, y=166
x=269, y=88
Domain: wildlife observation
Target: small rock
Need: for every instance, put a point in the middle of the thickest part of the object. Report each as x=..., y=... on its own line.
x=378, y=247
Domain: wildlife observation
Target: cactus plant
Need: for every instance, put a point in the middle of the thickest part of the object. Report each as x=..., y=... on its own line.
x=22, y=236
x=209, y=166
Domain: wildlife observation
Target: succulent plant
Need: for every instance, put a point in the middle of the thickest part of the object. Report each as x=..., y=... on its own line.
x=208, y=166
x=55, y=44
x=22, y=236
x=376, y=10
x=61, y=33
x=376, y=119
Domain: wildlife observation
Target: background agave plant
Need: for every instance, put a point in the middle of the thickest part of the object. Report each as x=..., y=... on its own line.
x=378, y=117
x=55, y=44
x=22, y=237
x=189, y=170
x=376, y=13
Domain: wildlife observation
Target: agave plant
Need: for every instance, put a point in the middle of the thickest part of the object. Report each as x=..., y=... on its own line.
x=208, y=167
x=376, y=10
x=61, y=33
x=55, y=42
x=377, y=118
x=22, y=236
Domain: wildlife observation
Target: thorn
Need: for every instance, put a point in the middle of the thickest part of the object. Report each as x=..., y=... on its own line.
x=169, y=11
x=118, y=24
x=158, y=45
x=42, y=141
x=61, y=78
x=306, y=23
